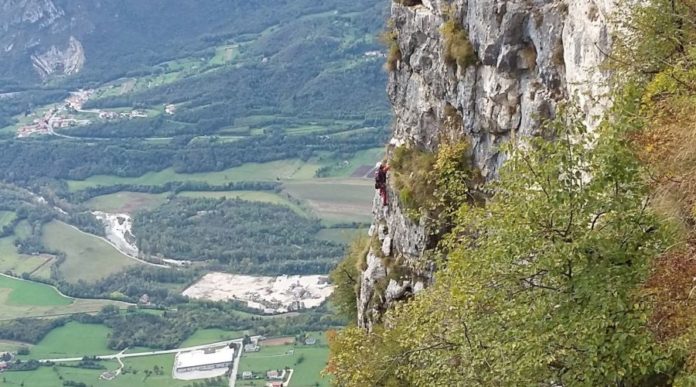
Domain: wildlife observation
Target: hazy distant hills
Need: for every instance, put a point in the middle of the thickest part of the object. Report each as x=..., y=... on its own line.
x=103, y=39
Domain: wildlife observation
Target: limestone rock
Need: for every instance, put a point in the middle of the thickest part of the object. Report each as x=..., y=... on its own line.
x=531, y=56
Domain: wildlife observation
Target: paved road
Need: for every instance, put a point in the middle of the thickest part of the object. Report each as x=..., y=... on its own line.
x=152, y=353
x=235, y=365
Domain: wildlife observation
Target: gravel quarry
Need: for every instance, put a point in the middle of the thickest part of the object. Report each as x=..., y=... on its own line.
x=268, y=294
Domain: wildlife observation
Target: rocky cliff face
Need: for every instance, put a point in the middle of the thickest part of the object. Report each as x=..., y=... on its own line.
x=38, y=34
x=531, y=56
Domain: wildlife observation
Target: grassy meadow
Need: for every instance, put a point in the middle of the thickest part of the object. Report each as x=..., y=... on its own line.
x=135, y=376
x=207, y=336
x=284, y=169
x=88, y=258
x=6, y=217
x=30, y=293
x=126, y=202
x=336, y=200
x=72, y=340
x=22, y=299
x=13, y=261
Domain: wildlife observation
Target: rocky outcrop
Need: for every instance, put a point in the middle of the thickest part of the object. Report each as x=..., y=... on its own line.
x=65, y=61
x=531, y=55
x=16, y=12
x=39, y=34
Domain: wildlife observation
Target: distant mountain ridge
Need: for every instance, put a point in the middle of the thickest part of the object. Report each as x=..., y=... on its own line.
x=39, y=40
x=44, y=39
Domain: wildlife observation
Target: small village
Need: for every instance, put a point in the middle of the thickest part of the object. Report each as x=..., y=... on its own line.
x=72, y=114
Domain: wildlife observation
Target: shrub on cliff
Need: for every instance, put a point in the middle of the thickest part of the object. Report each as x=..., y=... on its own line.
x=458, y=48
x=346, y=278
x=433, y=184
x=389, y=39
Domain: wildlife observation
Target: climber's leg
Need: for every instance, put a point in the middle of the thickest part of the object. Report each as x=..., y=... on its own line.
x=383, y=194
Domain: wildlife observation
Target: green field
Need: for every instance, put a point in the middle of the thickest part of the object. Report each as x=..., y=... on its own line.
x=11, y=346
x=48, y=376
x=252, y=196
x=224, y=54
x=12, y=261
x=126, y=202
x=20, y=299
x=23, y=229
x=207, y=336
x=88, y=258
x=336, y=200
x=340, y=235
x=135, y=376
x=6, y=217
x=284, y=169
x=307, y=370
x=347, y=168
x=73, y=340
x=20, y=293
x=140, y=364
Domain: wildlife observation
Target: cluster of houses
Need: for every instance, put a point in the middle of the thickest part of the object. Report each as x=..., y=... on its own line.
x=108, y=115
x=57, y=118
x=274, y=378
x=5, y=359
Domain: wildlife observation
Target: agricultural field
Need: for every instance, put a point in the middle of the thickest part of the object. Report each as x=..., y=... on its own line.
x=88, y=257
x=284, y=169
x=12, y=261
x=11, y=346
x=49, y=376
x=252, y=196
x=134, y=374
x=21, y=299
x=340, y=235
x=359, y=166
x=336, y=200
x=72, y=340
x=136, y=367
x=306, y=360
x=6, y=217
x=126, y=202
x=207, y=336
x=28, y=293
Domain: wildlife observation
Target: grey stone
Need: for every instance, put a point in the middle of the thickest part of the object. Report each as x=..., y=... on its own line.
x=532, y=55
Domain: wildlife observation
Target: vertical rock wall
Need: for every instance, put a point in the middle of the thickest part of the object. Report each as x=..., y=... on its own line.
x=531, y=55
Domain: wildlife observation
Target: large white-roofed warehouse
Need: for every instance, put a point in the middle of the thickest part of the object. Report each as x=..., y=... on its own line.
x=205, y=359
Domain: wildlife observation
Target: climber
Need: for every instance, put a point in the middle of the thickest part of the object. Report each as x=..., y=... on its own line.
x=381, y=180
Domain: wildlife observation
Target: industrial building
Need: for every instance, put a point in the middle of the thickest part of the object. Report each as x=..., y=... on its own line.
x=205, y=359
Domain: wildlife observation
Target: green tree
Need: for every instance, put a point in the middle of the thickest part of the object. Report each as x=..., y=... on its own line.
x=345, y=277
x=540, y=286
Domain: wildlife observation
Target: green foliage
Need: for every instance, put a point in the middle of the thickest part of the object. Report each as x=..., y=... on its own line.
x=458, y=48
x=408, y=3
x=411, y=176
x=655, y=60
x=540, y=286
x=390, y=39
x=434, y=184
x=251, y=237
x=345, y=278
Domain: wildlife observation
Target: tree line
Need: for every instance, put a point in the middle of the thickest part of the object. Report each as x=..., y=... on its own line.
x=249, y=237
